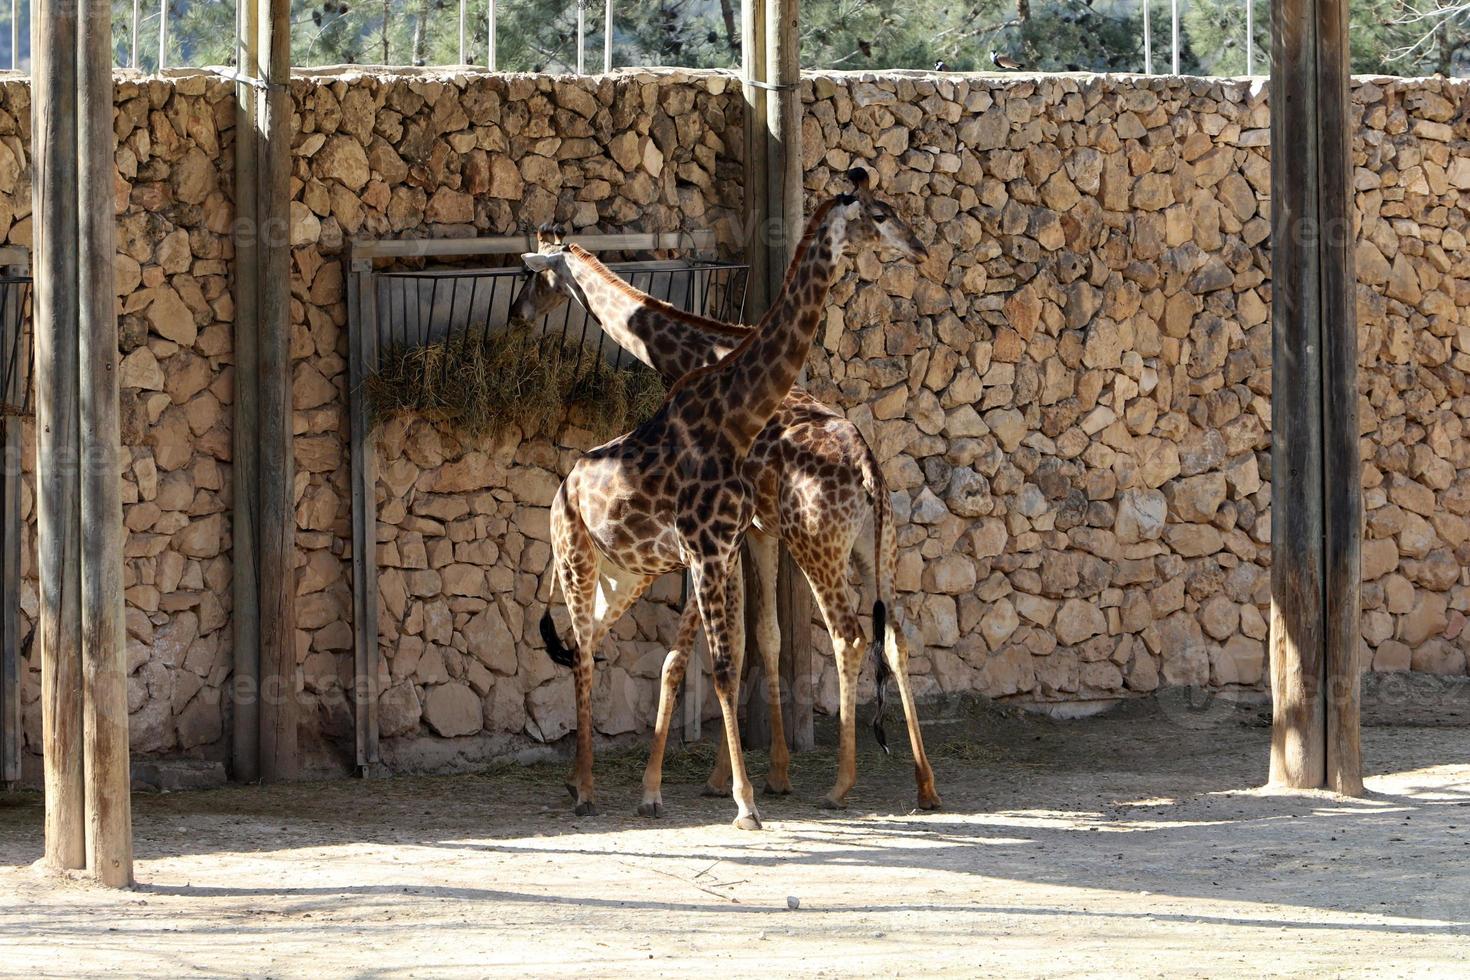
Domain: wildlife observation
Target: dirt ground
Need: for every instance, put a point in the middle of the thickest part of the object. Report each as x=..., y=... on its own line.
x=1130, y=844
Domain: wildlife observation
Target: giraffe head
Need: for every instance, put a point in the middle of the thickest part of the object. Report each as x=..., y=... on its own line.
x=551, y=282
x=871, y=221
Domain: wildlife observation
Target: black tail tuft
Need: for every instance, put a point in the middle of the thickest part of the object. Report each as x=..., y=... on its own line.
x=554, y=648
x=880, y=669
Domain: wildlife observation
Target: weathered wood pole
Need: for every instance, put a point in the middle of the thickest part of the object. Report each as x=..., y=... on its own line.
x=104, y=631
x=245, y=618
x=786, y=206
x=1316, y=481
x=276, y=459
x=58, y=435
x=755, y=731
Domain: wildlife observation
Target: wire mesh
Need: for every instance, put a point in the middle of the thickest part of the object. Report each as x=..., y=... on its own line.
x=420, y=308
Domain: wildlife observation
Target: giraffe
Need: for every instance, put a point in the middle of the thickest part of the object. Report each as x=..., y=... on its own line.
x=677, y=492
x=817, y=482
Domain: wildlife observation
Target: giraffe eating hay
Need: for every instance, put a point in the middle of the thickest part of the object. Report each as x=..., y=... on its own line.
x=678, y=490
x=816, y=484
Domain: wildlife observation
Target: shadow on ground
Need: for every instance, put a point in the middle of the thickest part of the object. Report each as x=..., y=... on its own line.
x=1151, y=798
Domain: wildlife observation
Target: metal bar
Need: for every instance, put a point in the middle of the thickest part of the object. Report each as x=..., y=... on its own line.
x=581, y=37
x=1148, y=40
x=464, y=12
x=137, y=16
x=162, y=35
x=490, y=40
x=700, y=240
x=1250, y=37
x=15, y=35
x=607, y=37
x=1174, y=34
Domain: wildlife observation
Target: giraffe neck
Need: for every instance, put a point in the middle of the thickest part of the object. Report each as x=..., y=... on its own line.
x=662, y=336
x=750, y=384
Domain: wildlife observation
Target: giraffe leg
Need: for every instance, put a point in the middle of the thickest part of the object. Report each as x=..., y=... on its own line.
x=833, y=598
x=596, y=594
x=765, y=553
x=718, y=783
x=721, y=592
x=577, y=563
x=895, y=647
x=895, y=650
x=673, y=675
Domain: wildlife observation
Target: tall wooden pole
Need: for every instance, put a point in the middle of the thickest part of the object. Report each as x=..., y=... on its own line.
x=753, y=57
x=104, y=633
x=1316, y=504
x=786, y=206
x=756, y=730
x=58, y=506
x=275, y=462
x=245, y=620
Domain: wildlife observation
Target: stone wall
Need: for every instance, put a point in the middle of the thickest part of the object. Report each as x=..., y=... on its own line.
x=1070, y=397
x=175, y=215
x=462, y=530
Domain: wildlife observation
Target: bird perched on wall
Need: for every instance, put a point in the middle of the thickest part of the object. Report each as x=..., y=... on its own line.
x=1005, y=62
x=940, y=66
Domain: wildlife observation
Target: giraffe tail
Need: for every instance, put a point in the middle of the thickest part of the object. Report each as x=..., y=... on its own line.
x=555, y=649
x=873, y=477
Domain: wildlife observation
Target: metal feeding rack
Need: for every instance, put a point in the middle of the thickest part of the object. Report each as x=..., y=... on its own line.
x=409, y=294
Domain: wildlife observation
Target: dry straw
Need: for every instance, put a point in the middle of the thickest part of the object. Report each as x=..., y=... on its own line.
x=519, y=379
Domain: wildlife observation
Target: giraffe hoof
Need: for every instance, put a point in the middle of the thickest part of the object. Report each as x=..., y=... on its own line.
x=831, y=803
x=650, y=809
x=748, y=822
x=710, y=789
x=777, y=789
x=588, y=809
x=930, y=801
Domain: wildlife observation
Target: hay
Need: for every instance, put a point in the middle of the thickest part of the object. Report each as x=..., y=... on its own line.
x=514, y=379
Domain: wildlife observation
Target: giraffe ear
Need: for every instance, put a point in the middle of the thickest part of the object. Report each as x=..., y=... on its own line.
x=537, y=262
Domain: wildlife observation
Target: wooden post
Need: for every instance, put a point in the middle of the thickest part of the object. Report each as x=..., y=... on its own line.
x=245, y=741
x=1316, y=496
x=104, y=633
x=276, y=461
x=755, y=731
x=786, y=207
x=58, y=518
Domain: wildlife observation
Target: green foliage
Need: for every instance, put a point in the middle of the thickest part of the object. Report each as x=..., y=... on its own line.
x=1388, y=36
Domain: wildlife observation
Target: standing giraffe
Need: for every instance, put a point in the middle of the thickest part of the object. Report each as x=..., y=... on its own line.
x=816, y=484
x=678, y=491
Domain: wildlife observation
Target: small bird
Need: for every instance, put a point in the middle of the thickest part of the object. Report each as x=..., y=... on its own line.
x=1072, y=66
x=866, y=47
x=1005, y=62
x=940, y=66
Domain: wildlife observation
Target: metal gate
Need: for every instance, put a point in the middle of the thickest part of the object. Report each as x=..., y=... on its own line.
x=15, y=403
x=417, y=307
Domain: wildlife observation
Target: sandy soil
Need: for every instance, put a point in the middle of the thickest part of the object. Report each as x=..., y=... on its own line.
x=1132, y=844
